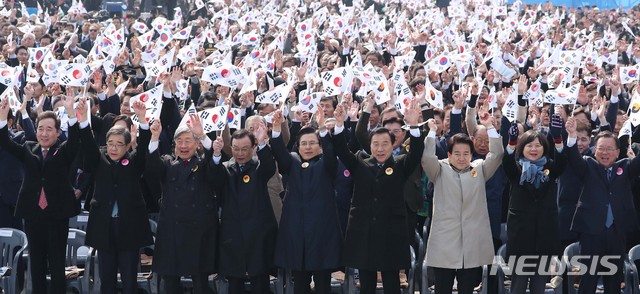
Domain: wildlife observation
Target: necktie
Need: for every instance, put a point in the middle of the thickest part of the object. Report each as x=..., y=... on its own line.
x=380, y=165
x=42, y=202
x=609, y=220
x=241, y=167
x=185, y=162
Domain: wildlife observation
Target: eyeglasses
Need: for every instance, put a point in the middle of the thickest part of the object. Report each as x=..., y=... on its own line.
x=608, y=149
x=241, y=150
x=305, y=144
x=115, y=145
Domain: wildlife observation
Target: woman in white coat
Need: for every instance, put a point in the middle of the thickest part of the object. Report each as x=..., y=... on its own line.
x=460, y=237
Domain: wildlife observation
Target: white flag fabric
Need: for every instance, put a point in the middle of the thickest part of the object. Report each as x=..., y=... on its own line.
x=629, y=74
x=510, y=107
x=75, y=74
x=626, y=129
x=37, y=54
x=634, y=109
x=433, y=96
x=9, y=75
x=187, y=115
x=224, y=74
x=440, y=63
x=308, y=101
x=562, y=95
x=609, y=58
x=10, y=95
x=213, y=119
x=275, y=95
x=233, y=118
x=337, y=81
x=152, y=100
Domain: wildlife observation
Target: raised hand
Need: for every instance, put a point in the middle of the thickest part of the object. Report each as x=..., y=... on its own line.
x=486, y=119
x=156, y=129
x=261, y=134
x=4, y=109
x=218, y=144
x=433, y=127
x=96, y=85
x=67, y=102
x=339, y=115
x=522, y=84
x=555, y=128
x=570, y=125
x=276, y=120
x=353, y=110
x=412, y=113
x=319, y=117
x=81, y=109
x=514, y=132
x=141, y=111
x=195, y=125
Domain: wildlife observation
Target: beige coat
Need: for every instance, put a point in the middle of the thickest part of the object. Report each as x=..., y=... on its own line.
x=460, y=235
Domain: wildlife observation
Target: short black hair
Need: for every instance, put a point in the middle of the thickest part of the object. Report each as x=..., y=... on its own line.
x=459, y=138
x=306, y=131
x=380, y=131
x=242, y=133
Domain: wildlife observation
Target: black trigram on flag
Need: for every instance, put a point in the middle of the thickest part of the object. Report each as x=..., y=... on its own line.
x=65, y=80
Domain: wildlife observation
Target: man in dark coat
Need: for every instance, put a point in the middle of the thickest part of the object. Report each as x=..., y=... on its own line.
x=248, y=225
x=309, y=237
x=376, y=237
x=186, y=240
x=46, y=200
x=605, y=211
x=12, y=172
x=118, y=222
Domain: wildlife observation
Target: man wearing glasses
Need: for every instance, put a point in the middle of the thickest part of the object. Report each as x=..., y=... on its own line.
x=87, y=43
x=248, y=225
x=605, y=212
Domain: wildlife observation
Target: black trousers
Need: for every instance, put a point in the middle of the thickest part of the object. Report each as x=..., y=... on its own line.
x=173, y=285
x=114, y=259
x=259, y=284
x=390, y=281
x=608, y=242
x=468, y=279
x=321, y=280
x=47, y=246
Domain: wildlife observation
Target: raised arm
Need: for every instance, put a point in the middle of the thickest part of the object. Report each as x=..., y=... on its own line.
x=340, y=142
x=416, y=142
x=155, y=168
x=430, y=164
x=280, y=152
x=493, y=159
x=576, y=161
x=267, y=167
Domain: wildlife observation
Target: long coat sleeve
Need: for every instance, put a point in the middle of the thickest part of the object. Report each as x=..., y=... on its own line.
x=186, y=240
x=533, y=213
x=376, y=236
x=117, y=182
x=460, y=235
x=248, y=225
x=309, y=235
x=51, y=173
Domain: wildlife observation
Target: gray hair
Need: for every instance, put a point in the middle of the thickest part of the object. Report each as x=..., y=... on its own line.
x=181, y=130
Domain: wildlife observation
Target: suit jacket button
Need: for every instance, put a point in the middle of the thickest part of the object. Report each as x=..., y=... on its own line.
x=373, y=219
x=375, y=199
x=42, y=179
x=115, y=185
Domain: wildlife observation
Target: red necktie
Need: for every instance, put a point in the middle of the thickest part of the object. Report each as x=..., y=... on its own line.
x=42, y=202
x=186, y=162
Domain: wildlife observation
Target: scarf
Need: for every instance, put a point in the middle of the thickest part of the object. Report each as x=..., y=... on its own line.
x=532, y=171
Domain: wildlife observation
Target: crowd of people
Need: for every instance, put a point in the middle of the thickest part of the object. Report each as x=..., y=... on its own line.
x=316, y=135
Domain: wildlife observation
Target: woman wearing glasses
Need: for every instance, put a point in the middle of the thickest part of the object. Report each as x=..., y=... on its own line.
x=118, y=222
x=533, y=211
x=309, y=237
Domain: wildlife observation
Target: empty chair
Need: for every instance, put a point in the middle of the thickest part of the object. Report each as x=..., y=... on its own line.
x=12, y=245
x=634, y=259
x=79, y=221
x=78, y=257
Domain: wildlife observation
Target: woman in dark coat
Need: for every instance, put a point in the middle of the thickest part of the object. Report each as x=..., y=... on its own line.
x=186, y=240
x=248, y=225
x=118, y=222
x=309, y=237
x=533, y=212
